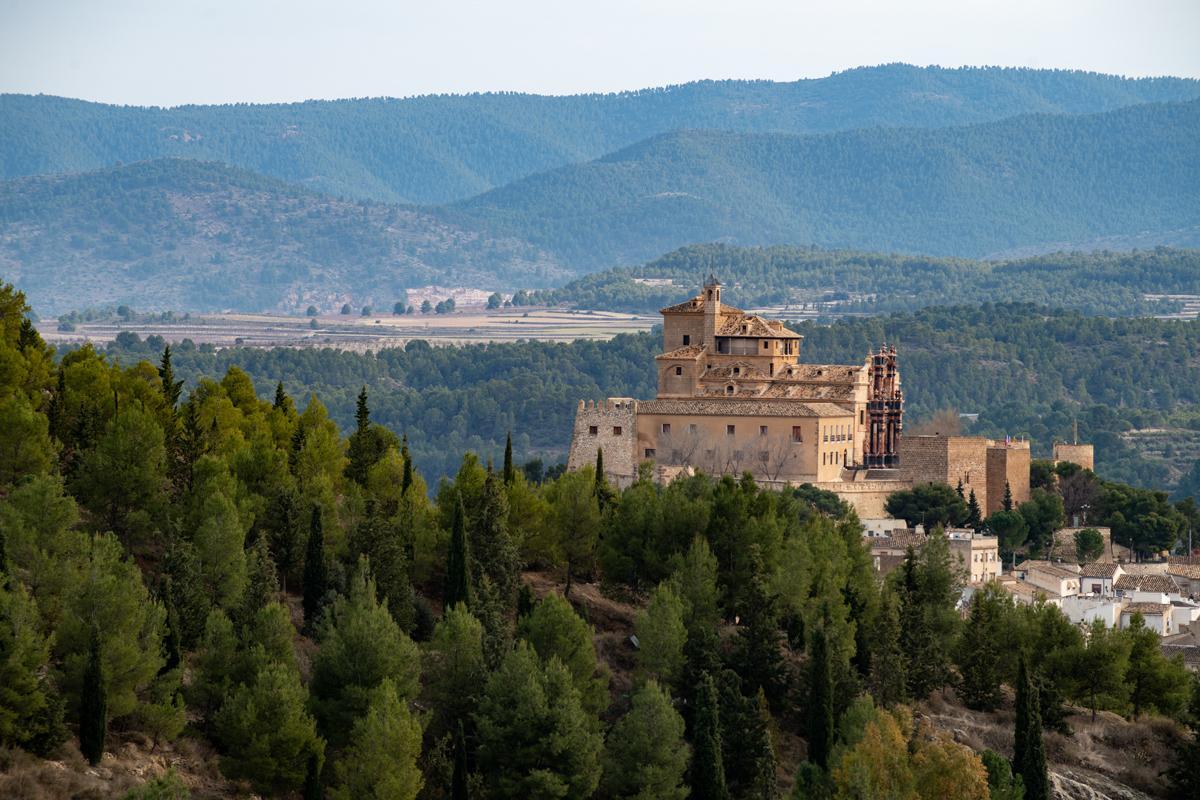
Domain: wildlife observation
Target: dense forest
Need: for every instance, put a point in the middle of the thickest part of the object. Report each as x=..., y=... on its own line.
x=842, y=281
x=1027, y=371
x=1051, y=180
x=205, y=566
x=438, y=149
x=189, y=235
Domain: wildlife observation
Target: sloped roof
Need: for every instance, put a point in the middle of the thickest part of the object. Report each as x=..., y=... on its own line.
x=1098, y=569
x=692, y=351
x=809, y=391
x=696, y=306
x=1184, y=569
x=898, y=540
x=1145, y=608
x=824, y=373
x=1148, y=583
x=739, y=324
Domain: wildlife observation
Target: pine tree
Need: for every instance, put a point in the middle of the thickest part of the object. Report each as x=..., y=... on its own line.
x=510, y=473
x=262, y=582
x=1029, y=752
x=458, y=783
x=316, y=570
x=1184, y=775
x=819, y=711
x=280, y=397
x=93, y=705
x=708, y=770
x=602, y=490
x=457, y=587
x=1007, y=503
x=979, y=657
x=760, y=641
x=764, y=785
x=959, y=490
x=171, y=388
x=493, y=551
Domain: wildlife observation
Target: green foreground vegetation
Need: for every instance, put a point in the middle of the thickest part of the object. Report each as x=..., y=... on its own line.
x=212, y=565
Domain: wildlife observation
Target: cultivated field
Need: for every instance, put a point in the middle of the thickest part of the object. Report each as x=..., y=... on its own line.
x=365, y=333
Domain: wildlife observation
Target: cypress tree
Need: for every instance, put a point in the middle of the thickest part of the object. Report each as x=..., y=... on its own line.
x=407, y=479
x=171, y=388
x=1029, y=752
x=820, y=701
x=281, y=397
x=298, y=439
x=457, y=588
x=765, y=786
x=313, y=788
x=979, y=656
x=93, y=705
x=1007, y=503
x=525, y=600
x=458, y=783
x=509, y=473
x=888, y=680
x=316, y=571
x=959, y=490
x=361, y=453
x=708, y=770
x=974, y=513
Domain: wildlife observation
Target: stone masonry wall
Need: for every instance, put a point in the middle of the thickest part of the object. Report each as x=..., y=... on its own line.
x=611, y=425
x=1007, y=463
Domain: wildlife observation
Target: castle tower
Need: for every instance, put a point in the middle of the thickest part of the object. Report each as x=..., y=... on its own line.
x=712, y=311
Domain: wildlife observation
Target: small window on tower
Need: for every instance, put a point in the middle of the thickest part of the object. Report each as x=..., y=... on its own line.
x=797, y=436
x=729, y=430
x=666, y=427
x=692, y=428
x=737, y=370
x=862, y=417
x=616, y=430
x=766, y=344
x=762, y=430
x=649, y=452
x=687, y=339
x=593, y=430
x=729, y=389
x=679, y=370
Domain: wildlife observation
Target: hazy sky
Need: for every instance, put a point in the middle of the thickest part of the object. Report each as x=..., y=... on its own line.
x=167, y=52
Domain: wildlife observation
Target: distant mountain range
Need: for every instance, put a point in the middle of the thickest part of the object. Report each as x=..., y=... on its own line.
x=439, y=149
x=282, y=215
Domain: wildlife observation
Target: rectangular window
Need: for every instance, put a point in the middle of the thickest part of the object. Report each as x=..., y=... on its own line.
x=666, y=427
x=729, y=430
x=762, y=430
x=823, y=459
x=797, y=434
x=593, y=430
x=771, y=368
x=679, y=370
x=766, y=344
x=824, y=434
x=692, y=428
x=616, y=430
x=862, y=417
x=649, y=452
x=686, y=340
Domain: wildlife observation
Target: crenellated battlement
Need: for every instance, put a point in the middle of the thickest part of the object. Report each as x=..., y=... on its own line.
x=610, y=425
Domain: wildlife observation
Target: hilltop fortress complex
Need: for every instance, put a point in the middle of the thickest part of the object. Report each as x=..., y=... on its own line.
x=734, y=397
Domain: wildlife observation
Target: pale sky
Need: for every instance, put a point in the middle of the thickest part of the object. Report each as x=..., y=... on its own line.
x=170, y=52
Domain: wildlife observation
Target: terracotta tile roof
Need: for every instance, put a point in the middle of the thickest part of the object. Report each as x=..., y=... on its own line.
x=1184, y=569
x=1098, y=569
x=825, y=373
x=740, y=408
x=898, y=540
x=809, y=391
x=1148, y=583
x=692, y=351
x=696, y=305
x=1047, y=568
x=1145, y=608
x=752, y=325
x=745, y=371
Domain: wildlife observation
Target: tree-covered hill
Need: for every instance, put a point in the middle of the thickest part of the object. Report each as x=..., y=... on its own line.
x=185, y=234
x=1096, y=283
x=436, y=149
x=965, y=191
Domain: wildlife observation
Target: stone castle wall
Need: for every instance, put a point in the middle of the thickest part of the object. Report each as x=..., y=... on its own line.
x=610, y=425
x=1007, y=463
x=1082, y=454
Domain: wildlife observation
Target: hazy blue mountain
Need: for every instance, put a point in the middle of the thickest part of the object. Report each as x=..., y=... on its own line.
x=436, y=149
x=186, y=234
x=966, y=191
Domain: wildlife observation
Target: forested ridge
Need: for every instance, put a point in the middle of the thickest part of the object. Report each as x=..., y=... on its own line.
x=1100, y=283
x=209, y=567
x=436, y=149
x=187, y=235
x=1026, y=370
x=963, y=191
x=181, y=234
